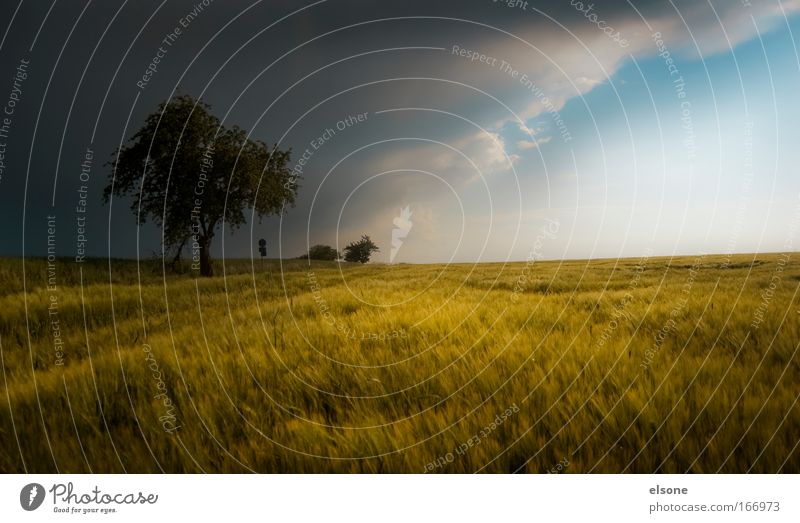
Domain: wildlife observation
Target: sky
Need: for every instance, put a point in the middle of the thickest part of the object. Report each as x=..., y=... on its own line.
x=509, y=130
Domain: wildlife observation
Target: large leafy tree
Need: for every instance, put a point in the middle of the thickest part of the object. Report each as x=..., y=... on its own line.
x=189, y=173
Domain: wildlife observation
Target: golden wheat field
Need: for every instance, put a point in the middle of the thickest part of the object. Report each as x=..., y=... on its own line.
x=633, y=365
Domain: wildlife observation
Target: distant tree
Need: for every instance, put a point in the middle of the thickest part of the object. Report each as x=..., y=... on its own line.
x=189, y=173
x=321, y=252
x=360, y=251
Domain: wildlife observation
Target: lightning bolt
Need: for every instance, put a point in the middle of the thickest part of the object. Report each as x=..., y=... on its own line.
x=34, y=490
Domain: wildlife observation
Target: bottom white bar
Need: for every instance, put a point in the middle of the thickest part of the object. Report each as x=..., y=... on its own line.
x=360, y=498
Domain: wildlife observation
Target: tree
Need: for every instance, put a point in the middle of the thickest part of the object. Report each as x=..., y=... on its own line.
x=321, y=252
x=189, y=174
x=360, y=251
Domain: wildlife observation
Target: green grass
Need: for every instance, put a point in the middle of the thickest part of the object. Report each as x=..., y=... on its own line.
x=602, y=366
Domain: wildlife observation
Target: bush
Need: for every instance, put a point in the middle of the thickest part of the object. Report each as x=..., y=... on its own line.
x=360, y=251
x=321, y=252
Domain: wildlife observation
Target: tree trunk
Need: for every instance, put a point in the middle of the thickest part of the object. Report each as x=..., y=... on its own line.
x=176, y=261
x=206, y=267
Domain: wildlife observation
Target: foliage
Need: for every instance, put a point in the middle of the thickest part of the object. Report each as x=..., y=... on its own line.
x=360, y=251
x=189, y=174
x=321, y=252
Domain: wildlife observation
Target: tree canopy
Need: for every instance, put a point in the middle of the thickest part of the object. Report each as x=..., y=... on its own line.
x=321, y=252
x=189, y=174
x=360, y=251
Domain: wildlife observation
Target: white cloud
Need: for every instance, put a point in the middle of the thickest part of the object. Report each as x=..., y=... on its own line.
x=562, y=65
x=481, y=153
x=532, y=144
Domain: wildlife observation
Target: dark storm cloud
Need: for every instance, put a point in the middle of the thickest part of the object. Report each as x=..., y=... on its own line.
x=81, y=96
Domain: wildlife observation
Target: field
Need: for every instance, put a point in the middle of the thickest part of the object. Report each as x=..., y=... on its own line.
x=634, y=365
